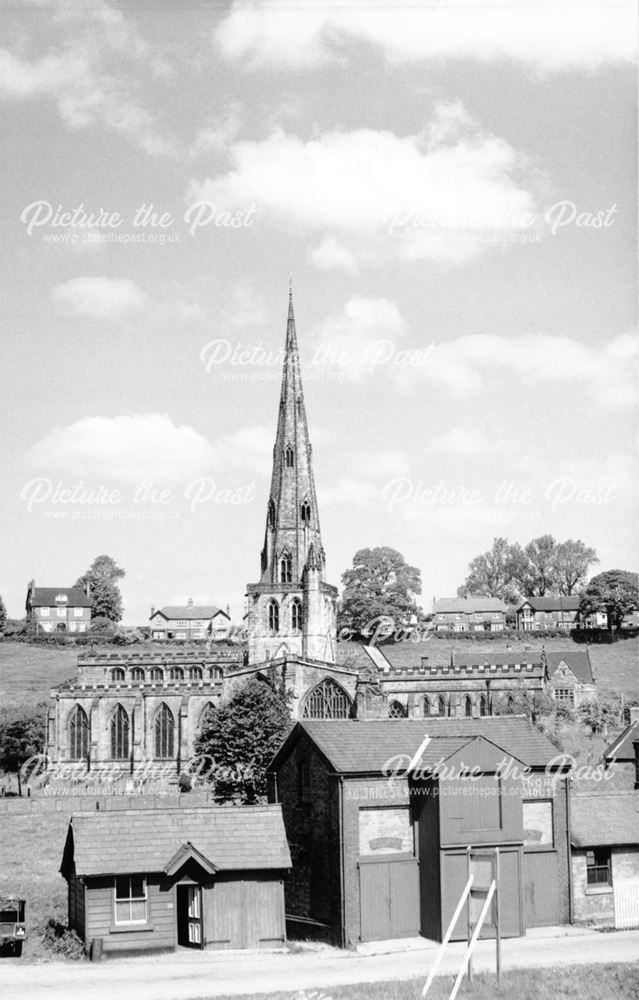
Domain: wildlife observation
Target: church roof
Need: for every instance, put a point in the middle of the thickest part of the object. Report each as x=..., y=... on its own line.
x=364, y=747
x=128, y=841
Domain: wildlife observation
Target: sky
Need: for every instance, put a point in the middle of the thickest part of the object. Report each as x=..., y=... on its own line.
x=451, y=190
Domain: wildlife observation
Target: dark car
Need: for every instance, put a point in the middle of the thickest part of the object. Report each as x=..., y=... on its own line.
x=13, y=930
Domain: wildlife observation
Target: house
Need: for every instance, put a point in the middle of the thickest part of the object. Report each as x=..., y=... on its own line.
x=548, y=613
x=623, y=753
x=469, y=614
x=59, y=609
x=383, y=824
x=605, y=858
x=208, y=877
x=570, y=677
x=189, y=622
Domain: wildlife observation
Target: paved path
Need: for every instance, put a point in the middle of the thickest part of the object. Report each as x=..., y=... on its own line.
x=186, y=975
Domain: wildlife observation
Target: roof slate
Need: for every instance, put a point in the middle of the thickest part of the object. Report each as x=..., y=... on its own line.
x=188, y=612
x=470, y=605
x=364, y=747
x=45, y=597
x=552, y=603
x=622, y=748
x=136, y=841
x=605, y=818
x=577, y=660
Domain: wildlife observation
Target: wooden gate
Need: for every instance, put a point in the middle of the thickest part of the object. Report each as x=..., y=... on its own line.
x=626, y=897
x=389, y=899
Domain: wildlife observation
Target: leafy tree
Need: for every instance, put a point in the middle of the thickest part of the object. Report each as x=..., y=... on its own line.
x=22, y=736
x=380, y=583
x=598, y=715
x=615, y=592
x=572, y=560
x=3, y=616
x=539, y=574
x=242, y=736
x=492, y=574
x=102, y=576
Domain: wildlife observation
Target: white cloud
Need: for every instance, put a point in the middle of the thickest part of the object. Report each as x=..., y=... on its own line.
x=249, y=449
x=459, y=441
x=217, y=136
x=544, y=38
x=100, y=298
x=359, y=337
x=130, y=449
x=347, y=492
x=426, y=196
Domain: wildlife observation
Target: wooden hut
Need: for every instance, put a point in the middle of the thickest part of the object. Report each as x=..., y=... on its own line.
x=209, y=877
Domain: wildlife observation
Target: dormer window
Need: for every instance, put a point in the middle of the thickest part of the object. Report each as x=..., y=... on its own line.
x=305, y=512
x=61, y=598
x=286, y=568
x=289, y=457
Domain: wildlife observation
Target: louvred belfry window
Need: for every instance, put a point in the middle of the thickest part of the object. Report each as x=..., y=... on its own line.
x=296, y=616
x=286, y=568
x=289, y=457
x=306, y=512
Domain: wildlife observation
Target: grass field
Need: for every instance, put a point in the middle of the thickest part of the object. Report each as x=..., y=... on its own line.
x=28, y=672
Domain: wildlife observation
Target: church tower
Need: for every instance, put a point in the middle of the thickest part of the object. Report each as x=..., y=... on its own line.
x=292, y=610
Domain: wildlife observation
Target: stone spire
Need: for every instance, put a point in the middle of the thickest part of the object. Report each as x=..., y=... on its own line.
x=292, y=520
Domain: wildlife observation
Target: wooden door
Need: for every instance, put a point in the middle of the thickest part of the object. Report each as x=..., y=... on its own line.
x=389, y=899
x=189, y=916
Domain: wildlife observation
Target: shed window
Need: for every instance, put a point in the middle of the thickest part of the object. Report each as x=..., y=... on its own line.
x=78, y=734
x=598, y=866
x=130, y=899
x=119, y=734
x=164, y=733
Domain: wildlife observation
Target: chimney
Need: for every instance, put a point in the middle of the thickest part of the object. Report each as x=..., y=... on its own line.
x=190, y=602
x=152, y=610
x=87, y=588
x=228, y=610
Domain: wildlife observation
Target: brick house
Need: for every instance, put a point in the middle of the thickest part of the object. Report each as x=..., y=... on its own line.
x=623, y=754
x=570, y=677
x=59, y=609
x=380, y=855
x=538, y=613
x=209, y=877
x=605, y=858
x=189, y=622
x=469, y=614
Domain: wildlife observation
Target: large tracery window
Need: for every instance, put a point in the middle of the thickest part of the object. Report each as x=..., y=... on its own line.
x=78, y=734
x=327, y=701
x=396, y=710
x=119, y=734
x=273, y=612
x=296, y=615
x=286, y=568
x=164, y=733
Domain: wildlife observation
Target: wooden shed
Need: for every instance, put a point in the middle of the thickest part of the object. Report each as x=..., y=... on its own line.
x=209, y=877
x=380, y=818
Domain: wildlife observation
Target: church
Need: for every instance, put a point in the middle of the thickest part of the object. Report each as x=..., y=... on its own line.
x=140, y=712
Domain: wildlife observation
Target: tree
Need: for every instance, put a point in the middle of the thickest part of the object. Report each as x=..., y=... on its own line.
x=242, y=736
x=492, y=573
x=539, y=573
x=3, y=616
x=380, y=583
x=22, y=736
x=102, y=576
x=615, y=592
x=572, y=560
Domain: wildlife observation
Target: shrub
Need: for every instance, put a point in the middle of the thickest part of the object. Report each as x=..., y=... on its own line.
x=60, y=941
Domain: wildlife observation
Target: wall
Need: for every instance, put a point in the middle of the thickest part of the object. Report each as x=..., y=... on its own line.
x=160, y=932
x=595, y=904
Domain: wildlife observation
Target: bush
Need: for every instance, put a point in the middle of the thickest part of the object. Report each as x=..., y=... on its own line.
x=60, y=941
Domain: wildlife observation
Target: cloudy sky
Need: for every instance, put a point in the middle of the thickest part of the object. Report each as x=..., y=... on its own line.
x=452, y=190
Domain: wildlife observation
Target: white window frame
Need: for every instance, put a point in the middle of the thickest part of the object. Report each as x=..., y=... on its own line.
x=62, y=612
x=130, y=900
x=78, y=612
x=45, y=612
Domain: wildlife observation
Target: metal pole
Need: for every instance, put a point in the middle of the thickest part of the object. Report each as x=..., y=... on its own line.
x=497, y=917
x=469, y=926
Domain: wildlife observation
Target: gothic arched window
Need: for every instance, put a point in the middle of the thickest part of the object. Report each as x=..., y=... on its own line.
x=157, y=674
x=137, y=675
x=206, y=715
x=440, y=705
x=117, y=675
x=195, y=674
x=273, y=612
x=396, y=710
x=119, y=734
x=468, y=706
x=286, y=568
x=176, y=674
x=289, y=457
x=271, y=514
x=306, y=512
x=483, y=705
x=327, y=701
x=296, y=615
x=78, y=734
x=164, y=732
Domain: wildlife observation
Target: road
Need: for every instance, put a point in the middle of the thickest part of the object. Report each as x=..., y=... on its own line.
x=186, y=975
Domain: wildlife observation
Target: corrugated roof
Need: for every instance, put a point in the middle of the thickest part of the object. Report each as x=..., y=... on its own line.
x=357, y=747
x=552, y=603
x=469, y=605
x=577, y=660
x=188, y=612
x=622, y=748
x=144, y=840
x=605, y=818
x=45, y=597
